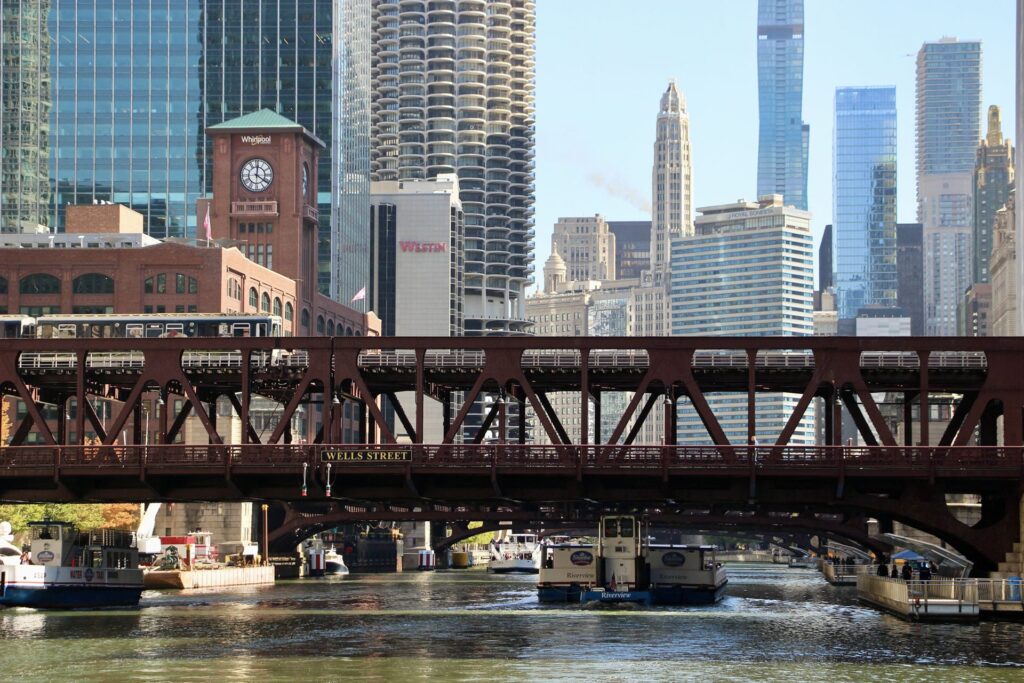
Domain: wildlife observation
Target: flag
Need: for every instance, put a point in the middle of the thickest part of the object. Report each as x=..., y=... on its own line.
x=360, y=295
x=206, y=224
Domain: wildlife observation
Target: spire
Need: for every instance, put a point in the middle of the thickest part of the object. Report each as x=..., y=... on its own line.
x=672, y=102
x=995, y=127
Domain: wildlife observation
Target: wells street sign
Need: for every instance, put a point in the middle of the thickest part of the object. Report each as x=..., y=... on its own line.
x=393, y=454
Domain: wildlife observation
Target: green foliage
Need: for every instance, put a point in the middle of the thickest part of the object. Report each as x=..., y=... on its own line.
x=85, y=517
x=482, y=538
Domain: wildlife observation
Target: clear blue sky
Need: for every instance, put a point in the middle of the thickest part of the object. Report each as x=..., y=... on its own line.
x=603, y=64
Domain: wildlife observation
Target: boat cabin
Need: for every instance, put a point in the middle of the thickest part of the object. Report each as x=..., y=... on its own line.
x=61, y=544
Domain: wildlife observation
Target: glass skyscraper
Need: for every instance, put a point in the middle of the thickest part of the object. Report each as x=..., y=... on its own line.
x=782, y=136
x=948, y=129
x=864, y=198
x=24, y=114
x=137, y=83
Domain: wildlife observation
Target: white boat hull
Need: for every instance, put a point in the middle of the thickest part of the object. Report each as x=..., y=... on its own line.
x=514, y=566
x=69, y=587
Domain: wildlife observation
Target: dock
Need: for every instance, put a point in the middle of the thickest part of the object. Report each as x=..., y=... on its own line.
x=844, y=575
x=1001, y=597
x=935, y=600
x=209, y=578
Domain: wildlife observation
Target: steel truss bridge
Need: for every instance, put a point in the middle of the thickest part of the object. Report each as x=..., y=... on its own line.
x=432, y=384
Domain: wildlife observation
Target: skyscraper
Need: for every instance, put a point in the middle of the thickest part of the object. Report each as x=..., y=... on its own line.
x=453, y=92
x=671, y=178
x=587, y=246
x=993, y=182
x=864, y=198
x=135, y=87
x=24, y=114
x=948, y=127
x=782, y=136
x=910, y=267
x=1019, y=176
x=747, y=271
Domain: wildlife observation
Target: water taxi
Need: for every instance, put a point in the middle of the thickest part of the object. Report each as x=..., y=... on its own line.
x=70, y=568
x=515, y=554
x=624, y=567
x=334, y=563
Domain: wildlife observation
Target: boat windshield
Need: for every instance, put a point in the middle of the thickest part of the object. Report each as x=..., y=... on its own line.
x=46, y=532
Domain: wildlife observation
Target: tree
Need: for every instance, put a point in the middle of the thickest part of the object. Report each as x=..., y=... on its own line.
x=84, y=516
x=121, y=516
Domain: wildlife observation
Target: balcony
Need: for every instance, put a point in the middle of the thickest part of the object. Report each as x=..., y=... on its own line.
x=253, y=208
x=311, y=213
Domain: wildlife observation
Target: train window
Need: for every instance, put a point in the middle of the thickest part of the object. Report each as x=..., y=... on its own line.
x=133, y=330
x=175, y=328
x=39, y=283
x=240, y=330
x=261, y=330
x=67, y=330
x=154, y=329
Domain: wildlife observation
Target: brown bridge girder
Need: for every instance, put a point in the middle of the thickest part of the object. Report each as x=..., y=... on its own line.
x=452, y=473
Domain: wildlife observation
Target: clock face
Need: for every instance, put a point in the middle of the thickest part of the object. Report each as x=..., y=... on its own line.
x=257, y=175
x=305, y=180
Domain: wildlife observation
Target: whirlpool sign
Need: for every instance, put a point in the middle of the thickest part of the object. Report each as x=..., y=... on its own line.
x=673, y=559
x=581, y=558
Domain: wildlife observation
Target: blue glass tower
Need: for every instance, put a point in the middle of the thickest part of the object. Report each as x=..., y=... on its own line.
x=135, y=85
x=783, y=136
x=864, y=198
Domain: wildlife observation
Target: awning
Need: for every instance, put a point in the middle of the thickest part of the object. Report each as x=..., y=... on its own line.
x=930, y=552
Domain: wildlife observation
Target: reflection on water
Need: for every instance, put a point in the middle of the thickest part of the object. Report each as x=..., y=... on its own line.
x=775, y=623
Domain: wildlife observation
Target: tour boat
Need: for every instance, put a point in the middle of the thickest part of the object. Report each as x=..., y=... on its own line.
x=624, y=567
x=803, y=562
x=69, y=568
x=334, y=563
x=515, y=554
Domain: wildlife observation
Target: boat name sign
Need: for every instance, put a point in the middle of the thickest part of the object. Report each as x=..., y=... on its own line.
x=366, y=455
x=45, y=556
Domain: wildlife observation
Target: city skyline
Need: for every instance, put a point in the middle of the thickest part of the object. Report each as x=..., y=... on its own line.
x=581, y=170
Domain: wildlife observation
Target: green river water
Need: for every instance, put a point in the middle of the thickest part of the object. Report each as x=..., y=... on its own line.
x=775, y=624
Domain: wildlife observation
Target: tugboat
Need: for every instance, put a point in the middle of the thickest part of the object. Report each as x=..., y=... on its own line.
x=516, y=554
x=70, y=569
x=624, y=567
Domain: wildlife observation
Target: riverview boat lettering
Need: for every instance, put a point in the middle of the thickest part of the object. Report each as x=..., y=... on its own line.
x=367, y=455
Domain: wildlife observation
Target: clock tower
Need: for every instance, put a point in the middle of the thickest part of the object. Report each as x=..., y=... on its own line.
x=264, y=195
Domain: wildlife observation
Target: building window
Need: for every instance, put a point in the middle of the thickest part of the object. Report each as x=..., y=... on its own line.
x=92, y=310
x=277, y=306
x=330, y=328
x=39, y=283
x=36, y=311
x=254, y=297
x=305, y=319
x=319, y=324
x=93, y=283
x=155, y=285
x=3, y=285
x=265, y=303
x=183, y=283
x=289, y=311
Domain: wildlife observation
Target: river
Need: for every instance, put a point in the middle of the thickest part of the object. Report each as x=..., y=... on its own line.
x=775, y=624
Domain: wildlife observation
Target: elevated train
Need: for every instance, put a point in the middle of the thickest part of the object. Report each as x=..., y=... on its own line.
x=137, y=326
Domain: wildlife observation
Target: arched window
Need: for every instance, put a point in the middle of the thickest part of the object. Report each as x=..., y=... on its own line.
x=289, y=311
x=93, y=283
x=330, y=328
x=277, y=306
x=348, y=331
x=319, y=324
x=39, y=283
x=305, y=319
x=254, y=297
x=265, y=303
x=3, y=285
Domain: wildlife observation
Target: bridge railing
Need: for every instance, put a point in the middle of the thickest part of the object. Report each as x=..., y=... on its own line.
x=770, y=460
